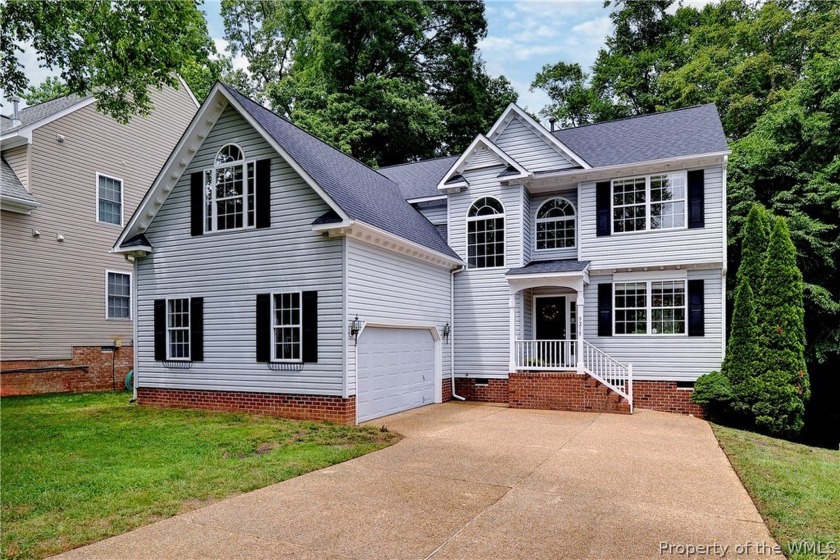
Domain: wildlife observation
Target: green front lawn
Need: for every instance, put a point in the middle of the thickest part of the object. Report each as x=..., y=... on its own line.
x=79, y=468
x=796, y=488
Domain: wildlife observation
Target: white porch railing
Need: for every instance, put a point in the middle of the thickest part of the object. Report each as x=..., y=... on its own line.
x=609, y=371
x=545, y=355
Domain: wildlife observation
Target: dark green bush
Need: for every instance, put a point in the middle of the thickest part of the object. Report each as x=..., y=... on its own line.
x=713, y=391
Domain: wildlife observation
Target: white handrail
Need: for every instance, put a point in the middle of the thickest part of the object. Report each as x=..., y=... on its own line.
x=609, y=371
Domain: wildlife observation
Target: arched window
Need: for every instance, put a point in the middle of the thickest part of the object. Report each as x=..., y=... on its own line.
x=229, y=191
x=555, y=225
x=486, y=233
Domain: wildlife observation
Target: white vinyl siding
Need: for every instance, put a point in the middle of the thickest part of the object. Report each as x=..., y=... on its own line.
x=18, y=160
x=436, y=212
x=658, y=357
x=529, y=148
x=229, y=269
x=388, y=288
x=656, y=247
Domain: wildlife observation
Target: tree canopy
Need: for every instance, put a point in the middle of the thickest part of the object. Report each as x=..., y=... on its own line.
x=386, y=81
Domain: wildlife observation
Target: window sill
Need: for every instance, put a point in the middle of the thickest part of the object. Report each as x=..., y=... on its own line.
x=643, y=231
x=120, y=319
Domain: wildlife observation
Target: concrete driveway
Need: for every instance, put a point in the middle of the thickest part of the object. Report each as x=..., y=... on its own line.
x=472, y=481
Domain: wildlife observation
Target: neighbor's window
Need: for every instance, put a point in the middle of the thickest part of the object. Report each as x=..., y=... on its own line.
x=229, y=191
x=648, y=203
x=109, y=194
x=286, y=327
x=486, y=234
x=656, y=307
x=178, y=329
x=555, y=225
x=118, y=295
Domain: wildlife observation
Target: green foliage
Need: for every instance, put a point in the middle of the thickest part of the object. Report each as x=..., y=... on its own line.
x=115, y=49
x=743, y=355
x=754, y=248
x=51, y=88
x=384, y=81
x=779, y=408
x=713, y=391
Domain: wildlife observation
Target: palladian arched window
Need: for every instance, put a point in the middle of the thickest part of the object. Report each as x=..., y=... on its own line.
x=555, y=225
x=486, y=233
x=229, y=191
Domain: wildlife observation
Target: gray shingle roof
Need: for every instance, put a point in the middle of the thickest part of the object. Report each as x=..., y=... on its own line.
x=683, y=132
x=547, y=267
x=362, y=193
x=419, y=179
x=10, y=185
x=35, y=113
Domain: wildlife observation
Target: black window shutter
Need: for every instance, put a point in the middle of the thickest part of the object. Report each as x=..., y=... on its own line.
x=263, y=327
x=605, y=294
x=696, y=199
x=262, y=196
x=310, y=326
x=696, y=308
x=160, y=330
x=197, y=329
x=602, y=208
x=197, y=203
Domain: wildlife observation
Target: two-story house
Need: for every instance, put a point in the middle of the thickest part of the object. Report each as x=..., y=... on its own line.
x=577, y=269
x=71, y=177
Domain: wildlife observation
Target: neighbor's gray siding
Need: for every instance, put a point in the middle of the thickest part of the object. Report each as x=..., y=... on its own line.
x=674, y=358
x=386, y=287
x=18, y=160
x=529, y=233
x=653, y=248
x=481, y=323
x=529, y=148
x=53, y=293
x=228, y=269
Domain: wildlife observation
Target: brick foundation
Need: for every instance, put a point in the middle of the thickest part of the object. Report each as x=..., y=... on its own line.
x=482, y=390
x=563, y=391
x=446, y=389
x=89, y=369
x=297, y=407
x=664, y=396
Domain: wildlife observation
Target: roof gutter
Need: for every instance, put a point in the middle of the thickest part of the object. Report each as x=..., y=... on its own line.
x=18, y=205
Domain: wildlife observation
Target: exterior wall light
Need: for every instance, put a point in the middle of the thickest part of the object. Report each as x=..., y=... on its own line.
x=447, y=328
x=355, y=327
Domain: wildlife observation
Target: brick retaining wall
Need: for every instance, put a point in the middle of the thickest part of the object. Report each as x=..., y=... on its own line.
x=563, y=391
x=665, y=396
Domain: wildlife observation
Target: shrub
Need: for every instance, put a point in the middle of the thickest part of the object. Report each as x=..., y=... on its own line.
x=713, y=391
x=743, y=356
x=780, y=408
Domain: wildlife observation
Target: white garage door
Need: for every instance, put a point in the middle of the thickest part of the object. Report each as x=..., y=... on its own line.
x=396, y=371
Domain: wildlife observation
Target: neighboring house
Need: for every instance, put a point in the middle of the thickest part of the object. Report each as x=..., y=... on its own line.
x=276, y=274
x=71, y=178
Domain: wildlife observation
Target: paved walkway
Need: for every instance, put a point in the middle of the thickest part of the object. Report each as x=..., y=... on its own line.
x=472, y=481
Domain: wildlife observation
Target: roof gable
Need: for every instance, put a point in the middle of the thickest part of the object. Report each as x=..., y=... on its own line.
x=481, y=153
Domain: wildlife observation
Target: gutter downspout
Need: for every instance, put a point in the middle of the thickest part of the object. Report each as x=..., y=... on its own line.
x=452, y=274
x=134, y=342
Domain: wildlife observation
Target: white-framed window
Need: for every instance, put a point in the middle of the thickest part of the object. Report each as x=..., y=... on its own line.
x=117, y=295
x=178, y=329
x=486, y=233
x=656, y=307
x=555, y=225
x=229, y=191
x=286, y=327
x=109, y=200
x=652, y=202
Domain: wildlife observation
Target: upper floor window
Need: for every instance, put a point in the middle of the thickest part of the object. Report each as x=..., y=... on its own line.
x=229, y=191
x=649, y=203
x=486, y=234
x=117, y=295
x=555, y=225
x=109, y=200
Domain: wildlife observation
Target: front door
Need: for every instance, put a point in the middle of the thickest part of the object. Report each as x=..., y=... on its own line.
x=550, y=318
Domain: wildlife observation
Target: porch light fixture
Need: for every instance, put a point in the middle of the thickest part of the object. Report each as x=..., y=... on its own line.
x=355, y=327
x=447, y=328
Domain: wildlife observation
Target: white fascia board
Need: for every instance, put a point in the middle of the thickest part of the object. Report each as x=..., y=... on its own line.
x=514, y=109
x=145, y=249
x=459, y=165
x=18, y=205
x=546, y=275
x=189, y=90
x=367, y=233
x=426, y=199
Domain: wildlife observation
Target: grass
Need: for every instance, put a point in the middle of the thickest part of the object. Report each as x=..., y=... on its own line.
x=78, y=468
x=795, y=487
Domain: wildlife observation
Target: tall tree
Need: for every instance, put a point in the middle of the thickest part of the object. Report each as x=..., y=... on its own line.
x=754, y=248
x=743, y=356
x=114, y=49
x=387, y=81
x=50, y=88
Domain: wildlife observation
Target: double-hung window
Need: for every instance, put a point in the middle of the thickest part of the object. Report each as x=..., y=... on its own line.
x=653, y=307
x=649, y=203
x=117, y=295
x=286, y=327
x=178, y=329
x=109, y=200
x=486, y=234
x=229, y=191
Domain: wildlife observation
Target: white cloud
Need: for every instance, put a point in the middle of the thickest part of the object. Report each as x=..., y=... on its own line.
x=599, y=28
x=239, y=61
x=527, y=53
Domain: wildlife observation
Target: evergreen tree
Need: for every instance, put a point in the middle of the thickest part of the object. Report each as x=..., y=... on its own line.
x=754, y=248
x=743, y=356
x=782, y=387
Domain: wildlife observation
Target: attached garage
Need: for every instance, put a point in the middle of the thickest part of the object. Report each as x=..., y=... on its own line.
x=396, y=371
